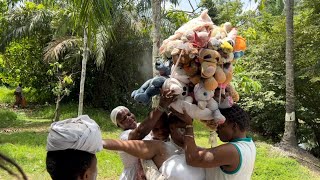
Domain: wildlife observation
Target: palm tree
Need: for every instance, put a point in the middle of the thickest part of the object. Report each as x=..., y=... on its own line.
x=25, y=21
x=156, y=33
x=92, y=14
x=289, y=136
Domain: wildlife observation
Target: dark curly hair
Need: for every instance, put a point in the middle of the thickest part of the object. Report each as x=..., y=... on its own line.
x=68, y=164
x=237, y=115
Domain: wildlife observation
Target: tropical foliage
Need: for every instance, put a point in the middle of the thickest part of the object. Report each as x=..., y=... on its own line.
x=120, y=54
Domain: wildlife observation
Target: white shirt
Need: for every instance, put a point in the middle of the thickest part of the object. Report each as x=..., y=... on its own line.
x=129, y=162
x=176, y=168
x=247, y=152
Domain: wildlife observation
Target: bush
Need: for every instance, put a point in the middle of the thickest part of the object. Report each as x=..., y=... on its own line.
x=6, y=95
x=8, y=118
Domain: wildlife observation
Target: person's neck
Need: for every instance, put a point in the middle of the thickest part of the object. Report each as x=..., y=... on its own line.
x=180, y=144
x=240, y=135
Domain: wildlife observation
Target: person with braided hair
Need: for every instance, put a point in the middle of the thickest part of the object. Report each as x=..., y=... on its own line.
x=232, y=160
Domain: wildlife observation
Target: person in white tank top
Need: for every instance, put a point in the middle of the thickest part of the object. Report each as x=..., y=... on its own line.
x=231, y=161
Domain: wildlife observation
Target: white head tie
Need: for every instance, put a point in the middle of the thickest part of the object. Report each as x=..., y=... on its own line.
x=114, y=113
x=81, y=133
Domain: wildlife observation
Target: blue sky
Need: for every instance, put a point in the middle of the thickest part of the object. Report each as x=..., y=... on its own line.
x=184, y=4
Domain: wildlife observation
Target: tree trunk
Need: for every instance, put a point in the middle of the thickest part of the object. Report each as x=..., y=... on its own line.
x=289, y=136
x=156, y=34
x=316, y=132
x=83, y=71
x=57, y=111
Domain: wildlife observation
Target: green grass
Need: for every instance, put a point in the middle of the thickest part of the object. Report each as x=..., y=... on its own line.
x=274, y=164
x=6, y=95
x=23, y=137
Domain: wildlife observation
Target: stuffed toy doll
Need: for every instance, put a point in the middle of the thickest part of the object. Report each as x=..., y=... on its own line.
x=152, y=86
x=209, y=59
x=239, y=47
x=205, y=99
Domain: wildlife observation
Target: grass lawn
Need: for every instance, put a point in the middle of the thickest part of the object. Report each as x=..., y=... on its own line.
x=23, y=137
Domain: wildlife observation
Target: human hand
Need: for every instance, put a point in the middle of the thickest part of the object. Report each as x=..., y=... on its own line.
x=166, y=97
x=184, y=117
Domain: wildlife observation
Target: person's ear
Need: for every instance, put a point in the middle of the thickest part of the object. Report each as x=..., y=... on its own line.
x=86, y=175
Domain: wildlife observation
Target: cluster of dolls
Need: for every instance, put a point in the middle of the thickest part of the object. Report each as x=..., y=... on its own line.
x=201, y=55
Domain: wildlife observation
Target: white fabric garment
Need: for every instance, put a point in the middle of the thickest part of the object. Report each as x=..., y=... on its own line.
x=151, y=171
x=129, y=161
x=81, y=133
x=247, y=151
x=114, y=113
x=176, y=168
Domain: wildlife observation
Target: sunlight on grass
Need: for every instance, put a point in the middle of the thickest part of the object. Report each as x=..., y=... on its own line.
x=6, y=95
x=23, y=136
x=272, y=164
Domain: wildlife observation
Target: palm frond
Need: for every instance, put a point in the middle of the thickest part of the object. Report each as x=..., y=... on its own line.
x=23, y=22
x=60, y=47
x=102, y=41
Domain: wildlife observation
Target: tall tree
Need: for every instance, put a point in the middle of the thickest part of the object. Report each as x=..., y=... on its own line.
x=85, y=58
x=92, y=14
x=289, y=136
x=156, y=35
x=156, y=17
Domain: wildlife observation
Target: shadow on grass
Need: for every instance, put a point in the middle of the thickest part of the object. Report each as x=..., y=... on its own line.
x=43, y=115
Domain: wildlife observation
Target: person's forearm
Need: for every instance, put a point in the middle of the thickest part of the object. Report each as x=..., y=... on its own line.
x=138, y=148
x=191, y=150
x=195, y=156
x=189, y=143
x=146, y=126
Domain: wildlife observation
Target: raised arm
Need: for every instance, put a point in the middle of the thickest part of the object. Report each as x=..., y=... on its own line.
x=138, y=148
x=205, y=158
x=147, y=125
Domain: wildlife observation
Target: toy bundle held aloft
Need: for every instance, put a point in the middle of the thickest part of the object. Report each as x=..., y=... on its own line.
x=201, y=55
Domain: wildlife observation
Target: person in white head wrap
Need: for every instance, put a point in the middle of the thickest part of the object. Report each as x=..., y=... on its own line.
x=123, y=118
x=72, y=145
x=81, y=133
